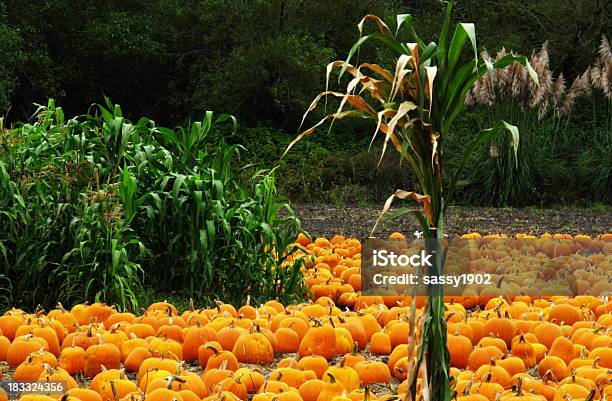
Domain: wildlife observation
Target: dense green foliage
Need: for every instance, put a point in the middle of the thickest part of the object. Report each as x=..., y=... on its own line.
x=97, y=207
x=264, y=60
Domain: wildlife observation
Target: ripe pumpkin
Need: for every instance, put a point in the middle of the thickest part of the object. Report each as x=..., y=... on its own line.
x=254, y=348
x=102, y=354
x=372, y=372
x=319, y=340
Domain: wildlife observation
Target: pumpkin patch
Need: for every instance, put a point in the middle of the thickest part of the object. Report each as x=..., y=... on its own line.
x=338, y=346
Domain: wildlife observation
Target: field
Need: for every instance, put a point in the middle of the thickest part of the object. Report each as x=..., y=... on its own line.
x=337, y=346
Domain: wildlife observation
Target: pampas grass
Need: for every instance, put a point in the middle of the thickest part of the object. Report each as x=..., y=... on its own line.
x=551, y=96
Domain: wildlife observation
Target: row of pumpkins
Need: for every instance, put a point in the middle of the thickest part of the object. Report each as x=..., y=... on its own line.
x=556, y=349
x=548, y=265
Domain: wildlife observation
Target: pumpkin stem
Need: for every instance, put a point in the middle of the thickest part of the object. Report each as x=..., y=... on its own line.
x=499, y=283
x=332, y=379
x=114, y=390
x=468, y=387
x=590, y=396
x=595, y=363
x=213, y=348
x=519, y=387
x=548, y=375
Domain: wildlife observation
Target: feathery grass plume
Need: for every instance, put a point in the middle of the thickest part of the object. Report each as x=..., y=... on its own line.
x=601, y=74
x=520, y=81
x=469, y=99
x=502, y=76
x=557, y=91
x=539, y=93
x=580, y=87
x=512, y=82
x=605, y=52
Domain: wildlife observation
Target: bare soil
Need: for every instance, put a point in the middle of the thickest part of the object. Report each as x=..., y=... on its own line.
x=358, y=221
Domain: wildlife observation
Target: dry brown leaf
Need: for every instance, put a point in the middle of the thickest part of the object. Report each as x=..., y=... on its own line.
x=423, y=200
x=381, y=24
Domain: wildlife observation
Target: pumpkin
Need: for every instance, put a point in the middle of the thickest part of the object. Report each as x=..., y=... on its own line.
x=571, y=391
x=311, y=389
x=159, y=363
x=501, y=327
x=348, y=377
x=136, y=357
x=9, y=324
x=562, y=348
x=372, y=372
x=555, y=365
x=252, y=379
x=72, y=359
x=460, y=348
x=288, y=340
x=524, y=350
x=5, y=343
x=84, y=394
x=380, y=344
x=512, y=364
x=487, y=388
x=228, y=336
x=483, y=355
x=22, y=347
x=128, y=346
x=293, y=377
x=219, y=357
x=353, y=358
x=519, y=395
x=319, y=340
x=58, y=374
x=29, y=370
x=102, y=354
x=117, y=388
x=331, y=389
x=498, y=374
x=564, y=313
x=254, y=348
x=316, y=363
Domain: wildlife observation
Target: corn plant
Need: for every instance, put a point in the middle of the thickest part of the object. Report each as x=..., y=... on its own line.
x=414, y=106
x=97, y=207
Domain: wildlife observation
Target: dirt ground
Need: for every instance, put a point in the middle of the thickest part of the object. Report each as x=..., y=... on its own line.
x=358, y=221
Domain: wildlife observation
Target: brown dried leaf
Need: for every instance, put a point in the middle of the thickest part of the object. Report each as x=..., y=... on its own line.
x=381, y=24
x=423, y=200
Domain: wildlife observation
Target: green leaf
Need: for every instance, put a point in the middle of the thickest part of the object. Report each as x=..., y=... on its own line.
x=443, y=42
x=391, y=43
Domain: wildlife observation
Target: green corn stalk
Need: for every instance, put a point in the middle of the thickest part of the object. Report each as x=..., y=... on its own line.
x=414, y=107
